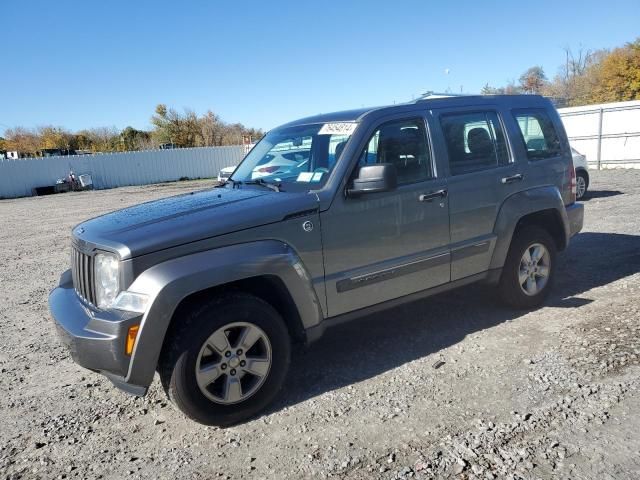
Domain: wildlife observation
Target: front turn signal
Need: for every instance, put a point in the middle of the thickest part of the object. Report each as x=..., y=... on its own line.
x=132, y=335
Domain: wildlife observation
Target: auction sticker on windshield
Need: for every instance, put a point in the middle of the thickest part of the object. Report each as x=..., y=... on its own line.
x=338, y=128
x=304, y=177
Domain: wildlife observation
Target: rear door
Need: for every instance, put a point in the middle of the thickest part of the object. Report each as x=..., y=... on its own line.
x=538, y=136
x=481, y=175
x=382, y=246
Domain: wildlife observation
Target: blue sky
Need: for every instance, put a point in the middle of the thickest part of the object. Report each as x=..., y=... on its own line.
x=87, y=63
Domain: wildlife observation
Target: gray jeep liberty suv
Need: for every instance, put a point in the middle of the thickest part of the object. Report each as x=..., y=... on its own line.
x=328, y=218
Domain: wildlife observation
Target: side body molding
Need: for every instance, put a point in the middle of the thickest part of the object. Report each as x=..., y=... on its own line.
x=168, y=283
x=517, y=206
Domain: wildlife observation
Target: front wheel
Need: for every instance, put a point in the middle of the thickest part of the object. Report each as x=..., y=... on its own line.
x=529, y=269
x=227, y=359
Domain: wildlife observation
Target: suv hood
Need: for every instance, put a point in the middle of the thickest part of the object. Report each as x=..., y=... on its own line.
x=190, y=217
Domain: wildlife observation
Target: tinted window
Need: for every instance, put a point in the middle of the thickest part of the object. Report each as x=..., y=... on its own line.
x=540, y=137
x=403, y=144
x=475, y=141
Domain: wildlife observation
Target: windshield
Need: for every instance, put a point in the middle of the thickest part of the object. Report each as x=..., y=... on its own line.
x=296, y=158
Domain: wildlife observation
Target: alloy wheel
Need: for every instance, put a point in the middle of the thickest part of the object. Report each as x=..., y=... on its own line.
x=581, y=186
x=534, y=269
x=233, y=363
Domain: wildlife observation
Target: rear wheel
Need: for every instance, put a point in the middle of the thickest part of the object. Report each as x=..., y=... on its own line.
x=227, y=360
x=529, y=270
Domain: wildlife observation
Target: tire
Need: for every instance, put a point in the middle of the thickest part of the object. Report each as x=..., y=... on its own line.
x=191, y=347
x=581, y=176
x=512, y=291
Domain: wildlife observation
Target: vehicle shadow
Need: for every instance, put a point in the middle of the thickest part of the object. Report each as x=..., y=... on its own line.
x=589, y=194
x=367, y=347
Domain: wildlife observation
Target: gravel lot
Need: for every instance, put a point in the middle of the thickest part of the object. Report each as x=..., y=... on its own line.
x=455, y=386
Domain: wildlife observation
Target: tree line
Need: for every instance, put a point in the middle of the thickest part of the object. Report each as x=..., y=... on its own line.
x=586, y=77
x=170, y=127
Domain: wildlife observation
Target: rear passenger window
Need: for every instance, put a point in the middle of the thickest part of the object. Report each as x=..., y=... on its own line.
x=403, y=144
x=540, y=137
x=475, y=141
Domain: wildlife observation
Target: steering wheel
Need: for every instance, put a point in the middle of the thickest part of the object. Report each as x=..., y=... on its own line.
x=321, y=170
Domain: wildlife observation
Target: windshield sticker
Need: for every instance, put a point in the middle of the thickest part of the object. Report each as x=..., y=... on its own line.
x=338, y=128
x=304, y=177
x=317, y=176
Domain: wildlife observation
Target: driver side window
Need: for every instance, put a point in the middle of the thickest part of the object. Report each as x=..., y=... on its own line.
x=403, y=144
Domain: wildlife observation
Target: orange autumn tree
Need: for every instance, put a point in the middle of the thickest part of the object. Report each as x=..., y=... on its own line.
x=618, y=75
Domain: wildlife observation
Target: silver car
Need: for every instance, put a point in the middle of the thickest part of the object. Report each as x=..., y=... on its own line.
x=582, y=173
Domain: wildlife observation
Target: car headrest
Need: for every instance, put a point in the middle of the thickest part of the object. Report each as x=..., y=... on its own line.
x=339, y=149
x=479, y=142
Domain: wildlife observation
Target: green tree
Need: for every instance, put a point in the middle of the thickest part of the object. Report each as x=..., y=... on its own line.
x=188, y=130
x=533, y=80
x=510, y=89
x=489, y=90
x=132, y=139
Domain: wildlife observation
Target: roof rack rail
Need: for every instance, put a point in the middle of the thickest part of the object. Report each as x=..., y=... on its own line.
x=431, y=94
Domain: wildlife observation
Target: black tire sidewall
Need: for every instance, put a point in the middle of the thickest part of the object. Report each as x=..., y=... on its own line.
x=183, y=388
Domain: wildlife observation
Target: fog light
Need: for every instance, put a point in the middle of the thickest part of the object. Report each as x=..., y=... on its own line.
x=132, y=335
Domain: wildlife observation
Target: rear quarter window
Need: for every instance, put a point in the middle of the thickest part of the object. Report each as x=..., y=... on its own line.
x=538, y=134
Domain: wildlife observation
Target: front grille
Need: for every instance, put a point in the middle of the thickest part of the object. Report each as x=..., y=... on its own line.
x=82, y=273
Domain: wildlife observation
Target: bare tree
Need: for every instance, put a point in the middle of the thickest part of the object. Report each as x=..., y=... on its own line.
x=24, y=140
x=211, y=128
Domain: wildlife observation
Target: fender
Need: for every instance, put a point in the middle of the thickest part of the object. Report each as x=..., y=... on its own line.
x=517, y=206
x=170, y=282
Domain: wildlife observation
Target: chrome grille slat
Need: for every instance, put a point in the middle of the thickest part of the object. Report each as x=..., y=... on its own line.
x=73, y=266
x=82, y=274
x=85, y=283
x=92, y=283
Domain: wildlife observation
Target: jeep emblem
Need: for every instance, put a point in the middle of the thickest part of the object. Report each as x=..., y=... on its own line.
x=307, y=226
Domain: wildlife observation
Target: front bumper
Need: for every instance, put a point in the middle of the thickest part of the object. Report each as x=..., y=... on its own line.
x=575, y=214
x=95, y=338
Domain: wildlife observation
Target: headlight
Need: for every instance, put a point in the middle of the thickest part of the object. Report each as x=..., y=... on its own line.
x=107, y=275
x=131, y=302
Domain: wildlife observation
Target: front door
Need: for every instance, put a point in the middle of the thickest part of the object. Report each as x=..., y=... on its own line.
x=382, y=246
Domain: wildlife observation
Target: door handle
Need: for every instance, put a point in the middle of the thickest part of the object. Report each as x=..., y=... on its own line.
x=513, y=178
x=427, y=197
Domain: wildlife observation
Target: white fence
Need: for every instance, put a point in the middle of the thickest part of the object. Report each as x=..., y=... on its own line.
x=608, y=134
x=108, y=170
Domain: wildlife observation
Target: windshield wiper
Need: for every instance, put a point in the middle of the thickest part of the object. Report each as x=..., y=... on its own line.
x=276, y=187
x=230, y=181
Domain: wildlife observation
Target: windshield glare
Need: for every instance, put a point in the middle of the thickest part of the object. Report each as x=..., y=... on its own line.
x=300, y=157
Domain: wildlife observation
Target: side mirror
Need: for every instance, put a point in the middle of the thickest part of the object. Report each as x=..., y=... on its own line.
x=381, y=177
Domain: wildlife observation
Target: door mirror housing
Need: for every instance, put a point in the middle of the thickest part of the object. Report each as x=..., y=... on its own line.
x=381, y=177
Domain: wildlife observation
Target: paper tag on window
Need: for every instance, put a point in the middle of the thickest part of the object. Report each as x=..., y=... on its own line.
x=338, y=128
x=304, y=177
x=317, y=176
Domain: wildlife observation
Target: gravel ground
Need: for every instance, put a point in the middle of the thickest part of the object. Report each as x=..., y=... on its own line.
x=454, y=386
